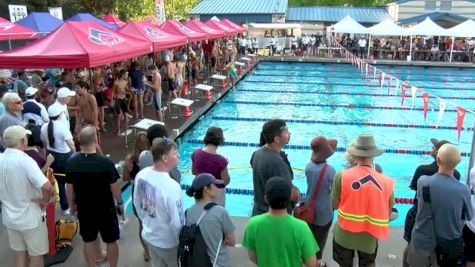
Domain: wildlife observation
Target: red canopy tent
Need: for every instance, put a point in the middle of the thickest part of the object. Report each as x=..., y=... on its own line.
x=233, y=25
x=110, y=18
x=199, y=26
x=177, y=28
x=12, y=31
x=76, y=44
x=218, y=25
x=147, y=31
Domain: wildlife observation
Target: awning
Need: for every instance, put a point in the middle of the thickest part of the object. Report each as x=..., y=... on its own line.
x=428, y=27
x=177, y=28
x=349, y=25
x=218, y=25
x=89, y=17
x=276, y=25
x=147, y=31
x=464, y=29
x=387, y=27
x=76, y=44
x=110, y=18
x=233, y=25
x=12, y=31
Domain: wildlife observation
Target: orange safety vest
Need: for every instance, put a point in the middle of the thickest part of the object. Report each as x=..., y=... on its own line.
x=364, y=201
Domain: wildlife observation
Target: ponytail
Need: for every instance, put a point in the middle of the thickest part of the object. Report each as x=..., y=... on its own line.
x=50, y=131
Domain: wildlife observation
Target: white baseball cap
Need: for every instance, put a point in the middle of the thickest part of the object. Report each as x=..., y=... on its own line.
x=65, y=92
x=55, y=110
x=13, y=134
x=30, y=91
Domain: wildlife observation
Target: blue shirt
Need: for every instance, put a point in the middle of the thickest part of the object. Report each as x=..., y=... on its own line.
x=323, y=206
x=448, y=213
x=2, y=108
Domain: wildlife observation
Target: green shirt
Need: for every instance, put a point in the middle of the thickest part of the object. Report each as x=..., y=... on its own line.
x=360, y=241
x=282, y=241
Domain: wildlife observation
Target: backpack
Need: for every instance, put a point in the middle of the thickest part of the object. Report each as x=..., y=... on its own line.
x=192, y=249
x=65, y=231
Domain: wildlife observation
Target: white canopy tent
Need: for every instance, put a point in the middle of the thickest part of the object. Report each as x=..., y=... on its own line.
x=349, y=25
x=275, y=25
x=426, y=27
x=386, y=27
x=464, y=29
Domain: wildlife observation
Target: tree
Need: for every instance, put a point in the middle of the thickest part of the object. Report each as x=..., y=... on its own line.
x=179, y=9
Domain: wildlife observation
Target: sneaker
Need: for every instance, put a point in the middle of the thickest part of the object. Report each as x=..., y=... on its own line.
x=66, y=212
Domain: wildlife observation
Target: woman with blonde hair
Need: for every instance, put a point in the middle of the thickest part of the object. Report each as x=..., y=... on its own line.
x=131, y=168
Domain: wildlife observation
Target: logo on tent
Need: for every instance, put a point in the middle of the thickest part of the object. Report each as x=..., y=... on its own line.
x=5, y=26
x=206, y=28
x=104, y=38
x=185, y=29
x=154, y=33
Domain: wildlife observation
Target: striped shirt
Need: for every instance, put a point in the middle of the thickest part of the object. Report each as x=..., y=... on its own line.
x=20, y=181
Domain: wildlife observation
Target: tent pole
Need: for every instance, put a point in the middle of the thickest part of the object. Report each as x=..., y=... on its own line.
x=452, y=48
x=188, y=63
x=369, y=46
x=410, y=49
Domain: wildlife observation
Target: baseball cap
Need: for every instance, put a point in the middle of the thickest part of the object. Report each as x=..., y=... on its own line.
x=31, y=91
x=55, y=110
x=438, y=143
x=13, y=134
x=65, y=92
x=277, y=191
x=203, y=179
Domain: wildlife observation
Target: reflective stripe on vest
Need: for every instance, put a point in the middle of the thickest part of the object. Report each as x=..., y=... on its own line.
x=364, y=201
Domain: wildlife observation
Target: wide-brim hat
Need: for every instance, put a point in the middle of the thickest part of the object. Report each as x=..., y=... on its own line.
x=365, y=146
x=438, y=143
x=322, y=148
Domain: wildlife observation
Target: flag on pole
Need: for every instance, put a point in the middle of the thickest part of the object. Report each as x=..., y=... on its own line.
x=460, y=116
x=425, y=97
x=413, y=94
x=442, y=105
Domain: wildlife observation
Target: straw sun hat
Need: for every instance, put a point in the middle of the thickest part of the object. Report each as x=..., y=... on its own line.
x=364, y=146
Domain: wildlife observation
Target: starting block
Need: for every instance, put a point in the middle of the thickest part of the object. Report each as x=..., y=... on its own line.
x=185, y=103
x=205, y=88
x=221, y=78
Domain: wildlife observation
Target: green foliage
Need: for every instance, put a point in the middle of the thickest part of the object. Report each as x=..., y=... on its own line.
x=179, y=9
x=134, y=9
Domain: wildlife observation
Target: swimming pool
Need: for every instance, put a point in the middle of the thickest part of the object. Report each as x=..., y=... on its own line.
x=334, y=100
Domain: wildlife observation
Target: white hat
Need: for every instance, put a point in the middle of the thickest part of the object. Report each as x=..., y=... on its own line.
x=55, y=110
x=4, y=73
x=167, y=58
x=13, y=134
x=65, y=92
x=30, y=91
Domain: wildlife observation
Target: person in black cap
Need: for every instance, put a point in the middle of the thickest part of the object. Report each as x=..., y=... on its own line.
x=429, y=170
x=291, y=238
x=216, y=223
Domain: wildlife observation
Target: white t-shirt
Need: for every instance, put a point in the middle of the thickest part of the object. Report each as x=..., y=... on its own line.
x=20, y=181
x=362, y=43
x=61, y=134
x=157, y=199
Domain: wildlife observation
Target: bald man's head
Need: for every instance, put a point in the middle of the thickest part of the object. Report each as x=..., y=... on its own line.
x=448, y=156
x=87, y=136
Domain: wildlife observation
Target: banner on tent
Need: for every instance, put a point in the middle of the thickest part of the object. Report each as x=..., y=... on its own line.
x=56, y=12
x=17, y=12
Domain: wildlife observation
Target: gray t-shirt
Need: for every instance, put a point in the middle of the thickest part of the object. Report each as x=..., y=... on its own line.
x=448, y=213
x=266, y=163
x=8, y=119
x=215, y=224
x=146, y=160
x=323, y=206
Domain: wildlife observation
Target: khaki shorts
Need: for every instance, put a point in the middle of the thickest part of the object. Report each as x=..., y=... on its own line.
x=35, y=241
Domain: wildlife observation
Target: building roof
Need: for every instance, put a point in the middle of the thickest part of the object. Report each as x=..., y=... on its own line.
x=335, y=14
x=435, y=16
x=405, y=1
x=240, y=7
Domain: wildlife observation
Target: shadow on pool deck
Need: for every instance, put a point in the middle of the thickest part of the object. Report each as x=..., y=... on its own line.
x=130, y=250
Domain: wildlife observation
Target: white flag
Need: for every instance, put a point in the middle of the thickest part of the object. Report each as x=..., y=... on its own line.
x=374, y=74
x=413, y=94
x=442, y=106
x=398, y=85
x=383, y=76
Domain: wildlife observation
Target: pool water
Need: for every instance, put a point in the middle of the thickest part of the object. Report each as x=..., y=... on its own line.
x=334, y=100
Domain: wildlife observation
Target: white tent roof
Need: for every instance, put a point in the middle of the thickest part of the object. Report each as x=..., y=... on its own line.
x=349, y=25
x=464, y=29
x=387, y=27
x=427, y=27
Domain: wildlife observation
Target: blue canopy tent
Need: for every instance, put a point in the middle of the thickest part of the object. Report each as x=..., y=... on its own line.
x=87, y=16
x=43, y=22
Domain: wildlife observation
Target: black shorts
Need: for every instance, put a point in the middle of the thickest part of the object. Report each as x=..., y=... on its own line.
x=213, y=62
x=106, y=224
x=469, y=240
x=99, y=99
x=409, y=223
x=171, y=84
x=344, y=257
x=121, y=106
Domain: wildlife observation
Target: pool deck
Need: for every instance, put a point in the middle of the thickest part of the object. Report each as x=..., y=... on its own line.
x=130, y=250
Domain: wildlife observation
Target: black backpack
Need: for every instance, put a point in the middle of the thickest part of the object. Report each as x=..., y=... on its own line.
x=192, y=249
